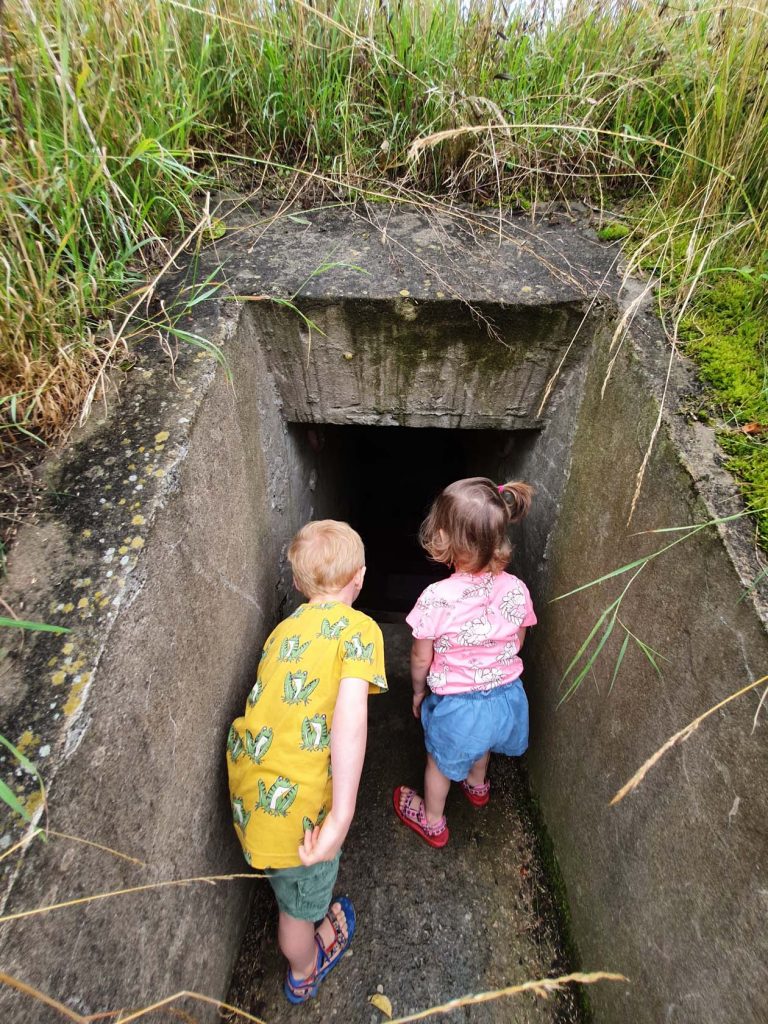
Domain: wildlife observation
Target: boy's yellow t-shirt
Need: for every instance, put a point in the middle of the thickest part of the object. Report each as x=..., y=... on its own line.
x=279, y=751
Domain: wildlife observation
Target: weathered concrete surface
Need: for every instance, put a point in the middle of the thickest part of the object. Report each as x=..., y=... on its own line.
x=161, y=544
x=669, y=887
x=416, y=364
x=433, y=925
x=128, y=724
x=135, y=739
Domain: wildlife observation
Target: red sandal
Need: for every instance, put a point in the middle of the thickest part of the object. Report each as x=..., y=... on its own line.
x=436, y=835
x=478, y=796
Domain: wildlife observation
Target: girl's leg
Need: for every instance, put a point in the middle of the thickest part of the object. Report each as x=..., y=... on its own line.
x=296, y=939
x=479, y=770
x=436, y=787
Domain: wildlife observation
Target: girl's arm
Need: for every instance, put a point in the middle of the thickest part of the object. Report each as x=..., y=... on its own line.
x=521, y=636
x=422, y=653
x=349, y=731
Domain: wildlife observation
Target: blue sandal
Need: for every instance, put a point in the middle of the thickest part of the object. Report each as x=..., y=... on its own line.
x=327, y=956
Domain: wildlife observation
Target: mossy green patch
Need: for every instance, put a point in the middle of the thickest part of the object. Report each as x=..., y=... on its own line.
x=725, y=333
x=612, y=231
x=749, y=464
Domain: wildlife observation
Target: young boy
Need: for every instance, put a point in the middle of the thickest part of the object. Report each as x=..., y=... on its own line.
x=296, y=755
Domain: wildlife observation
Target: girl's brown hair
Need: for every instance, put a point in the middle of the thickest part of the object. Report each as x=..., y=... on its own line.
x=467, y=524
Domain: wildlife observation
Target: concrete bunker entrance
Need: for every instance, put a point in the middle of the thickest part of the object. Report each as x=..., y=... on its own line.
x=373, y=418
x=491, y=877
x=384, y=479
x=511, y=387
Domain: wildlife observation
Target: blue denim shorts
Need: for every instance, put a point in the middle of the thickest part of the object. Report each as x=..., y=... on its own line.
x=460, y=727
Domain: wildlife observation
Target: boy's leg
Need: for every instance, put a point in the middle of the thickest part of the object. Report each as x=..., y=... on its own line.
x=436, y=787
x=479, y=770
x=296, y=939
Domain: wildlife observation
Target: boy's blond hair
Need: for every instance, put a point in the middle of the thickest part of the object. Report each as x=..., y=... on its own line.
x=324, y=556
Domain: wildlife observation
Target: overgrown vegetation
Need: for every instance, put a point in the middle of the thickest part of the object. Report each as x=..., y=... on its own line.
x=114, y=119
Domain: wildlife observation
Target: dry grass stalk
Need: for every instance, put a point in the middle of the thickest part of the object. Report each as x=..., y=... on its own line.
x=679, y=737
x=34, y=833
x=553, y=379
x=118, y=1015
x=41, y=997
x=145, y=294
x=541, y=987
x=148, y=887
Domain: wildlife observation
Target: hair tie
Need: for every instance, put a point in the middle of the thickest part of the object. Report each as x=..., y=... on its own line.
x=500, y=488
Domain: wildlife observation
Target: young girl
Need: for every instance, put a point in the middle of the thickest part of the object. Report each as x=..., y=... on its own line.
x=467, y=632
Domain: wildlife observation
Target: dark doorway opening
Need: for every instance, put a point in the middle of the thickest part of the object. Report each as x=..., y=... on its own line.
x=382, y=480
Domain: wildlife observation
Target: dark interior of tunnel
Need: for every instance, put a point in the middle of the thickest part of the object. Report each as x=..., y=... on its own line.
x=382, y=481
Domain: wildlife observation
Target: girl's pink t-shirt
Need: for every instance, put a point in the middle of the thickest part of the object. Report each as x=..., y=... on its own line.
x=474, y=620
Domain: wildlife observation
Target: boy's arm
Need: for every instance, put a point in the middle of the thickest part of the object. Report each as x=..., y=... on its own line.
x=349, y=732
x=422, y=653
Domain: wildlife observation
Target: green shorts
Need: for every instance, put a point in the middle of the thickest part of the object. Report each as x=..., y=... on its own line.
x=305, y=893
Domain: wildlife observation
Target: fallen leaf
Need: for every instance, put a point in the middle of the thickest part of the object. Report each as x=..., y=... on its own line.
x=753, y=428
x=298, y=220
x=381, y=1003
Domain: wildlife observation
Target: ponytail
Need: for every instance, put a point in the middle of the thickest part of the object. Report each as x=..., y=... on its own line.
x=517, y=496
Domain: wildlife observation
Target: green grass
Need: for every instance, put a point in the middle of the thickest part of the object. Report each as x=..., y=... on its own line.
x=115, y=120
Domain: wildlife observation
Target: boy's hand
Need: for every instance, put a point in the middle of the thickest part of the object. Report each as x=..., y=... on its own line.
x=321, y=843
x=418, y=699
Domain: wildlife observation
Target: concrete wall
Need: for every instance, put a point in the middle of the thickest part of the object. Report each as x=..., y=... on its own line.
x=669, y=887
x=140, y=768
x=419, y=364
x=162, y=544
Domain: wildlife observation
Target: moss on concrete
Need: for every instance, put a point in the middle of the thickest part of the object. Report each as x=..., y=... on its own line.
x=725, y=333
x=545, y=849
x=612, y=231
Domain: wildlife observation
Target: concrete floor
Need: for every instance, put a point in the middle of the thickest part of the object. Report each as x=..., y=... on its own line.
x=432, y=924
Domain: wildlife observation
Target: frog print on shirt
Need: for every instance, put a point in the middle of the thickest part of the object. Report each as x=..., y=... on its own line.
x=332, y=631
x=234, y=744
x=307, y=823
x=257, y=746
x=356, y=650
x=256, y=692
x=296, y=688
x=314, y=733
x=278, y=798
x=239, y=813
x=292, y=649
